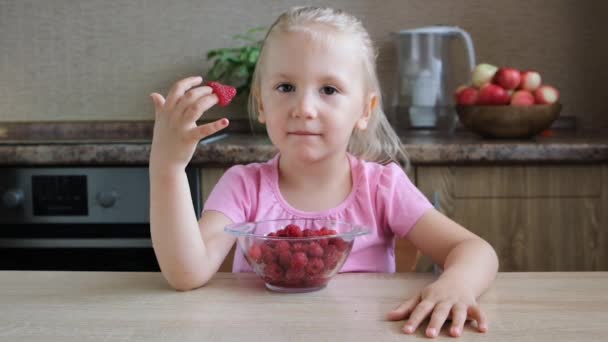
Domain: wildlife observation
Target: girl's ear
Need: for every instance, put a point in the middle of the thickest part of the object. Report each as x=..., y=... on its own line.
x=367, y=112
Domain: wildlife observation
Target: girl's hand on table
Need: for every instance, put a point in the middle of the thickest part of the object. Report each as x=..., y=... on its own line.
x=440, y=301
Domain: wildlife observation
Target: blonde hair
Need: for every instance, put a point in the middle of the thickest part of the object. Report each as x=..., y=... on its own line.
x=378, y=142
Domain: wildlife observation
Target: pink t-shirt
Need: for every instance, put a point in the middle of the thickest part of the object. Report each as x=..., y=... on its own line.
x=382, y=198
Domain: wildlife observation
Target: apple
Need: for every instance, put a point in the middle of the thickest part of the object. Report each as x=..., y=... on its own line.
x=508, y=78
x=530, y=80
x=522, y=98
x=546, y=95
x=492, y=94
x=466, y=96
x=458, y=90
x=482, y=74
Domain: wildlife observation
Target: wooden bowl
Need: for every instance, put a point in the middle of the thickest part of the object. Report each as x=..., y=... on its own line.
x=508, y=121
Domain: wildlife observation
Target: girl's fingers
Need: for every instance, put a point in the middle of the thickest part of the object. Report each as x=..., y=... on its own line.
x=179, y=88
x=403, y=310
x=475, y=313
x=195, y=110
x=422, y=311
x=440, y=314
x=158, y=100
x=190, y=97
x=206, y=130
x=459, y=317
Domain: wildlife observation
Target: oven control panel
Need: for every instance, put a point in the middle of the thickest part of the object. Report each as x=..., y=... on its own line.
x=58, y=195
x=74, y=195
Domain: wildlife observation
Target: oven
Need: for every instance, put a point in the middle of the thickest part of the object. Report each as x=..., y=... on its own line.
x=79, y=218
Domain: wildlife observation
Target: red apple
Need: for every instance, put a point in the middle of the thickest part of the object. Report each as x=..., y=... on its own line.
x=467, y=96
x=482, y=74
x=530, y=80
x=491, y=94
x=546, y=95
x=508, y=78
x=522, y=98
x=458, y=90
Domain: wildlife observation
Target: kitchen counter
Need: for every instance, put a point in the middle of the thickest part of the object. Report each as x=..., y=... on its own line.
x=98, y=306
x=99, y=143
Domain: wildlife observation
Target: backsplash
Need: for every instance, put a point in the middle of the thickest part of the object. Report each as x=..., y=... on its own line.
x=93, y=60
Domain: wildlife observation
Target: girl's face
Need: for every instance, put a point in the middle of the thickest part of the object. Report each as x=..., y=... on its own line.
x=312, y=94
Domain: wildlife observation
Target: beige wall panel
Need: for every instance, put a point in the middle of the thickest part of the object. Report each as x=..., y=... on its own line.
x=99, y=60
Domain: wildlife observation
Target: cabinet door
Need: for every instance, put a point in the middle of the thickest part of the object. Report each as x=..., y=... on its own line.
x=210, y=177
x=406, y=255
x=538, y=218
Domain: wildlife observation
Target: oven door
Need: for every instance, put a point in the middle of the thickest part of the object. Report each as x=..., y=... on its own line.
x=77, y=247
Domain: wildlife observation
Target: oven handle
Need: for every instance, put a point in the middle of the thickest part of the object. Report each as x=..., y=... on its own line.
x=75, y=243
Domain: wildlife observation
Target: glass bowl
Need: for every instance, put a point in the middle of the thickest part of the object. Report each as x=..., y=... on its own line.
x=296, y=255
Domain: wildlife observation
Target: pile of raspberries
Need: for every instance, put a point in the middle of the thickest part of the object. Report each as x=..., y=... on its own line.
x=296, y=262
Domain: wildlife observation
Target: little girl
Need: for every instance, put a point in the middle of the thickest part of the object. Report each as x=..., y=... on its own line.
x=315, y=88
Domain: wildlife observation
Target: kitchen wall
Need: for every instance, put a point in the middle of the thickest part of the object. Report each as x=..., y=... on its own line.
x=99, y=60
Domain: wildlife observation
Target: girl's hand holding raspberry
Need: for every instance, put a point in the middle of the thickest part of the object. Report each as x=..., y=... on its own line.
x=176, y=133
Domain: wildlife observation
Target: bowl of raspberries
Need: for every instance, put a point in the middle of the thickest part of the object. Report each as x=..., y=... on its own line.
x=296, y=255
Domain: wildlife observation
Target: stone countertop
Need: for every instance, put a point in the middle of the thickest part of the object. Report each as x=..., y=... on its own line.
x=128, y=143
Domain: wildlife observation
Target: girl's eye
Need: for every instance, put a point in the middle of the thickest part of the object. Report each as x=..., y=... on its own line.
x=329, y=90
x=285, y=88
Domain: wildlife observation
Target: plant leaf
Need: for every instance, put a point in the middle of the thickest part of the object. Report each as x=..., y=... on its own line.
x=253, y=56
x=257, y=29
x=235, y=65
x=244, y=37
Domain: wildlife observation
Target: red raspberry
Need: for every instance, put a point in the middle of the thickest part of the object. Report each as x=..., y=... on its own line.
x=293, y=230
x=270, y=243
x=340, y=244
x=299, y=260
x=224, y=93
x=299, y=247
x=323, y=242
x=294, y=275
x=273, y=272
x=315, y=250
x=268, y=255
x=285, y=259
x=307, y=233
x=331, y=257
x=255, y=253
x=315, y=266
x=282, y=246
x=317, y=281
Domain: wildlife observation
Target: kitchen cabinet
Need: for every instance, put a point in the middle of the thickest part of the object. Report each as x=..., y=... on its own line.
x=406, y=255
x=537, y=217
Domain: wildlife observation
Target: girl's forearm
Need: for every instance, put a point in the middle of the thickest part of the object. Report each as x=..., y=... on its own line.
x=473, y=262
x=174, y=229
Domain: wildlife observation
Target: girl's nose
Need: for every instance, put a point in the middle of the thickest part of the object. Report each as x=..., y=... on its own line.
x=305, y=106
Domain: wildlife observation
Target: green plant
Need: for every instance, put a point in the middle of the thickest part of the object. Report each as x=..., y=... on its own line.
x=235, y=65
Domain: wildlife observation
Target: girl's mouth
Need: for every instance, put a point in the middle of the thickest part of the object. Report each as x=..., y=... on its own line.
x=302, y=133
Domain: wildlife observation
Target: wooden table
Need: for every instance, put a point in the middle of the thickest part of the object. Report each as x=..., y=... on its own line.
x=97, y=306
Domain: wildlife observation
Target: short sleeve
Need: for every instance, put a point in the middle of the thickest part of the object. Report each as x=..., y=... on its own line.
x=230, y=194
x=401, y=204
